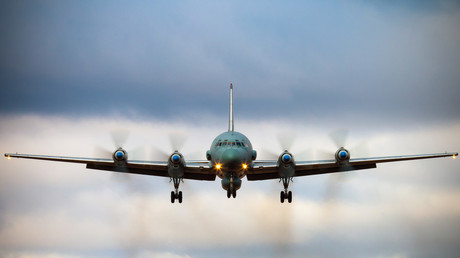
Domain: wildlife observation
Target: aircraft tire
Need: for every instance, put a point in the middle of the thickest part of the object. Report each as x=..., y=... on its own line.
x=229, y=193
x=234, y=193
x=282, y=197
x=289, y=197
x=180, y=197
x=173, y=197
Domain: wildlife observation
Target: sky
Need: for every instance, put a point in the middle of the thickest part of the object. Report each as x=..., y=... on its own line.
x=73, y=72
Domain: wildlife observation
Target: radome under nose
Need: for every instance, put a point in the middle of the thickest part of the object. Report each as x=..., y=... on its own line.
x=231, y=158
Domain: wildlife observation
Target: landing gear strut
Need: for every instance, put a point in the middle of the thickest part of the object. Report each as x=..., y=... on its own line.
x=231, y=189
x=176, y=195
x=286, y=194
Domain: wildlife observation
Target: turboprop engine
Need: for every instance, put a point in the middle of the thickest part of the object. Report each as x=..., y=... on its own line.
x=286, y=165
x=120, y=157
x=342, y=156
x=176, y=165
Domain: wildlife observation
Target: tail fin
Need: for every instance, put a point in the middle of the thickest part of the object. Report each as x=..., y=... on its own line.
x=230, y=119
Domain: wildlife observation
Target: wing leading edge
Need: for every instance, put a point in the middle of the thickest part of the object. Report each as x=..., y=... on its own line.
x=202, y=170
x=197, y=170
x=263, y=170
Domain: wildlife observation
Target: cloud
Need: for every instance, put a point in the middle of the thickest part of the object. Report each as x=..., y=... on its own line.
x=308, y=61
x=71, y=73
x=400, y=209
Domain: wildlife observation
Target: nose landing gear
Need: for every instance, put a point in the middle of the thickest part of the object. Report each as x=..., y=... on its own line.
x=231, y=191
x=231, y=183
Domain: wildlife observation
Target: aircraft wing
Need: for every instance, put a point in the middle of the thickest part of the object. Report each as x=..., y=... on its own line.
x=263, y=170
x=197, y=170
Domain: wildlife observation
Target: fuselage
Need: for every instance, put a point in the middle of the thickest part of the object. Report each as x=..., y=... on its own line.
x=231, y=154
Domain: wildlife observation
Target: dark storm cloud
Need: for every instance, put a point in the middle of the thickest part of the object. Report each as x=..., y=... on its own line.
x=296, y=60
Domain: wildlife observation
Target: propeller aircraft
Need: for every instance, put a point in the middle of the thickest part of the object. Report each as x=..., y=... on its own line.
x=231, y=157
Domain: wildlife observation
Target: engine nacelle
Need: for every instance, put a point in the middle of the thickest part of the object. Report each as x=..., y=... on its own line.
x=176, y=165
x=342, y=156
x=286, y=158
x=120, y=157
x=175, y=158
x=286, y=165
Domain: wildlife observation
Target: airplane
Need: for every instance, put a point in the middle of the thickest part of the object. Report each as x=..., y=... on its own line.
x=231, y=157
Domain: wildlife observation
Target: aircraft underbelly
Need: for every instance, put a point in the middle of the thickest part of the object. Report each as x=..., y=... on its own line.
x=227, y=173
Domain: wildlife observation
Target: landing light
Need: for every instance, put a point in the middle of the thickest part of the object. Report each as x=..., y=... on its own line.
x=9, y=157
x=453, y=156
x=245, y=166
x=218, y=166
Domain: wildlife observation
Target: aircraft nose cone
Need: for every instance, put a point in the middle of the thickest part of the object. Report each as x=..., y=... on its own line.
x=231, y=158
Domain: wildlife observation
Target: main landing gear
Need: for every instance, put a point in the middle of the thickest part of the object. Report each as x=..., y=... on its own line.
x=176, y=195
x=286, y=194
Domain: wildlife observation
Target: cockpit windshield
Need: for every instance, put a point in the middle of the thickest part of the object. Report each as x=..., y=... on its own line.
x=235, y=143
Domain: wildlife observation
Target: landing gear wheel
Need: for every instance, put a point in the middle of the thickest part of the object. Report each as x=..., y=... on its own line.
x=176, y=195
x=234, y=193
x=229, y=193
x=173, y=196
x=180, y=197
x=289, y=197
x=282, y=197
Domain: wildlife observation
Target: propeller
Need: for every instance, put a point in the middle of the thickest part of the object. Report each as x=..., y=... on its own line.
x=176, y=142
x=285, y=141
x=119, y=138
x=340, y=137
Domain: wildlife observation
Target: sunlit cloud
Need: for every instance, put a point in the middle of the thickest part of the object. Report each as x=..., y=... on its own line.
x=49, y=205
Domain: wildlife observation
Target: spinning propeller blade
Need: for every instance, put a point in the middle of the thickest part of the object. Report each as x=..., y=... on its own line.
x=119, y=137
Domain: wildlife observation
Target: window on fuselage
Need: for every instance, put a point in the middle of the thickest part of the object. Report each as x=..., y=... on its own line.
x=224, y=143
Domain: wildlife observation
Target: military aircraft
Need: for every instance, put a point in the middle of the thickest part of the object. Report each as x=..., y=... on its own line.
x=231, y=157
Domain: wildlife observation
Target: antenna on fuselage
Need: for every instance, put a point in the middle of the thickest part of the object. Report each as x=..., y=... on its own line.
x=230, y=119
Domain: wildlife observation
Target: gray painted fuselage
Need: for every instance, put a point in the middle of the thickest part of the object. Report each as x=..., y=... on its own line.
x=231, y=151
